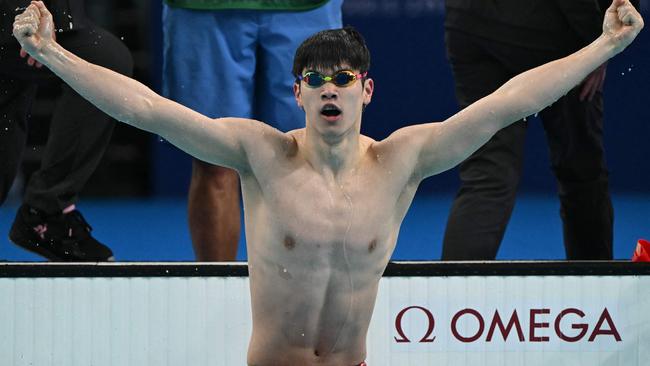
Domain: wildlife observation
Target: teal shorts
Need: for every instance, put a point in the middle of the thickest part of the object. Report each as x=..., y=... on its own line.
x=237, y=63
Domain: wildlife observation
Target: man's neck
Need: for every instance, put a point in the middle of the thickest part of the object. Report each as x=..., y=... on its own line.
x=332, y=154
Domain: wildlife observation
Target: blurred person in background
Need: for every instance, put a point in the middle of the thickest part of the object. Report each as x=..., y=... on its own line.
x=233, y=58
x=48, y=222
x=488, y=43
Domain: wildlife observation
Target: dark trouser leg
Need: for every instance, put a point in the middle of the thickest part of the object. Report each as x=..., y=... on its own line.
x=484, y=202
x=489, y=178
x=16, y=97
x=574, y=131
x=79, y=132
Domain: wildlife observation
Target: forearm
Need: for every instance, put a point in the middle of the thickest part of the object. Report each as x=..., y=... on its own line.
x=119, y=96
x=449, y=143
x=533, y=90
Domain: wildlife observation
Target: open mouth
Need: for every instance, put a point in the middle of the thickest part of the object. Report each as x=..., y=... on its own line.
x=330, y=111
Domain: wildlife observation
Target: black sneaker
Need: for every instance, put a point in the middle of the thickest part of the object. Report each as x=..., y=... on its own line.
x=59, y=237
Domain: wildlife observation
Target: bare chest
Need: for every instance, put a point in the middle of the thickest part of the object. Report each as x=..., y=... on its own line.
x=304, y=214
x=320, y=213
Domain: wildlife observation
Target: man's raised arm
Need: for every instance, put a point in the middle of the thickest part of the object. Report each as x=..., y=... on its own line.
x=441, y=146
x=130, y=101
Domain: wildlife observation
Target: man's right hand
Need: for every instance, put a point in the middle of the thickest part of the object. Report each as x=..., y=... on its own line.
x=34, y=30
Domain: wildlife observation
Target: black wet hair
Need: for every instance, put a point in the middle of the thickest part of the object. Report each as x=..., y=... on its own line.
x=331, y=49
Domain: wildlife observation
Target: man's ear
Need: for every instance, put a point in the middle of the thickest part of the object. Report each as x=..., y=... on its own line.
x=368, y=89
x=297, y=95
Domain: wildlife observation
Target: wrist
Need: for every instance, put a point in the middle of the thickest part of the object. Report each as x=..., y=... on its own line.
x=46, y=50
x=50, y=54
x=610, y=46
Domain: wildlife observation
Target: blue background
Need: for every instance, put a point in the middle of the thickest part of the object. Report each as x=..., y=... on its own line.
x=413, y=85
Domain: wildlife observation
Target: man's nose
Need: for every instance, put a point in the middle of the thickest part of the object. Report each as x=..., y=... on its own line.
x=329, y=92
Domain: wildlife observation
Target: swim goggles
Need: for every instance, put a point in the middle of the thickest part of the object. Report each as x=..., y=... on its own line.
x=341, y=78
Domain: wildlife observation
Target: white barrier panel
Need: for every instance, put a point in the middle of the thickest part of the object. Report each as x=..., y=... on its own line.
x=438, y=320
x=124, y=321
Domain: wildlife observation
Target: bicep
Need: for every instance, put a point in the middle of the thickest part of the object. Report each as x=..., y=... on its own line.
x=216, y=141
x=442, y=145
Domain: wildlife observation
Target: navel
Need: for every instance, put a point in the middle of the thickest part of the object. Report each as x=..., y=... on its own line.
x=372, y=246
x=289, y=242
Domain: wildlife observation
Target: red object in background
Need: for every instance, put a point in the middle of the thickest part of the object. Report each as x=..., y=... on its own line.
x=642, y=251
